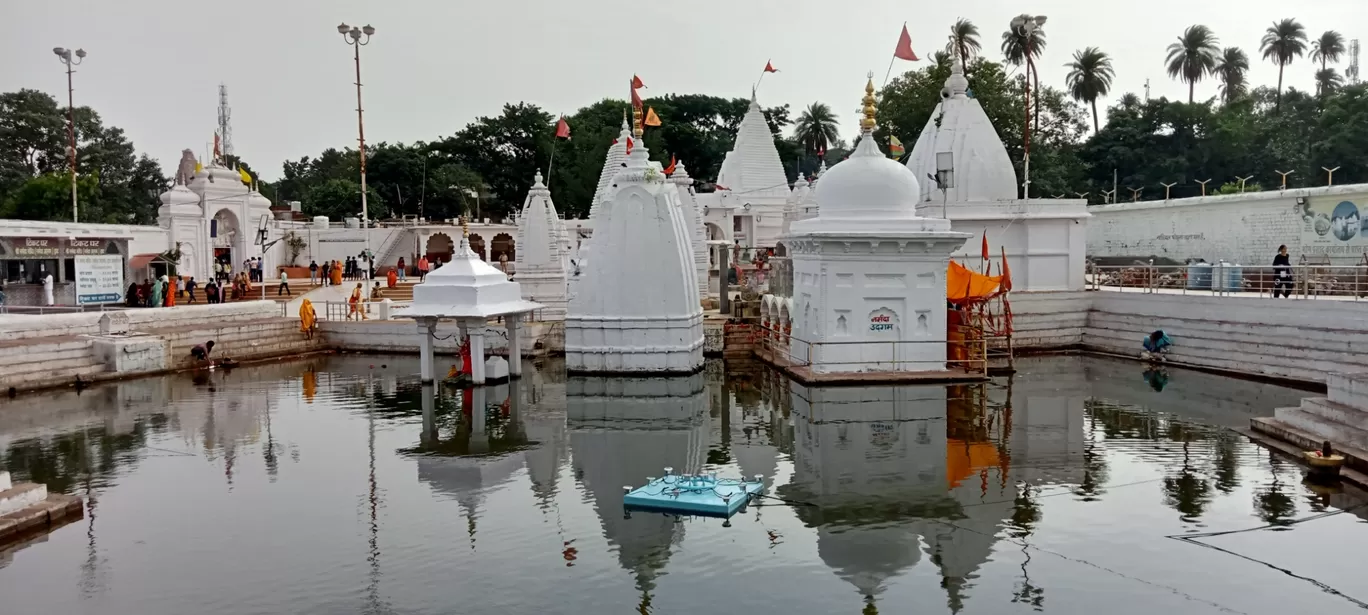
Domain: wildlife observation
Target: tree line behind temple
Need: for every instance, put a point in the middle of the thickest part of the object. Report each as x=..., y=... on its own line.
x=1258, y=133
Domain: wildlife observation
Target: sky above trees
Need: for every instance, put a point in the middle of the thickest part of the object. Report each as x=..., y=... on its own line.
x=434, y=67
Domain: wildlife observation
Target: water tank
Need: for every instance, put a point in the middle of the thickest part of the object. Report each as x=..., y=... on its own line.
x=1228, y=277
x=320, y=223
x=1199, y=276
x=352, y=222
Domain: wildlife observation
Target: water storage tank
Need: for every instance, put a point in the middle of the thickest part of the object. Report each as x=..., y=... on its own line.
x=352, y=222
x=1227, y=277
x=320, y=223
x=1199, y=276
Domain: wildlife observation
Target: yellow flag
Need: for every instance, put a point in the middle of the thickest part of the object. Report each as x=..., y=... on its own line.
x=651, y=118
x=895, y=147
x=246, y=177
x=198, y=167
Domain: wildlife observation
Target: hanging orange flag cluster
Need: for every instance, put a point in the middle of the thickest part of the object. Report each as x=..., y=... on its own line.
x=671, y=169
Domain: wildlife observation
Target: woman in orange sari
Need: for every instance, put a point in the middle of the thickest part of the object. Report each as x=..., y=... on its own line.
x=337, y=273
x=355, y=304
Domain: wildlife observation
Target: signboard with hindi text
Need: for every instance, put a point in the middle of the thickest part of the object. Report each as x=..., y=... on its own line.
x=1333, y=226
x=99, y=279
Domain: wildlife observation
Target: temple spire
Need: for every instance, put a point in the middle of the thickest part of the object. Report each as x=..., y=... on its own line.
x=870, y=108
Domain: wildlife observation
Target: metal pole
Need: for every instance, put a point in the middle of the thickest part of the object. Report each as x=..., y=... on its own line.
x=71, y=140
x=1026, y=159
x=361, y=137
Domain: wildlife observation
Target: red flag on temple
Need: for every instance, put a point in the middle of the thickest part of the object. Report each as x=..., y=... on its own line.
x=562, y=129
x=629, y=146
x=636, y=82
x=769, y=68
x=985, y=245
x=636, y=99
x=904, y=49
x=1006, y=284
x=821, y=153
x=671, y=169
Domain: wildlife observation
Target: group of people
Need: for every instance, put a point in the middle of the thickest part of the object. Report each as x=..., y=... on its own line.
x=335, y=272
x=253, y=268
x=160, y=292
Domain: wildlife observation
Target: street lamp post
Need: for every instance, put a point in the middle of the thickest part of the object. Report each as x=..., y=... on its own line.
x=65, y=56
x=1025, y=26
x=352, y=35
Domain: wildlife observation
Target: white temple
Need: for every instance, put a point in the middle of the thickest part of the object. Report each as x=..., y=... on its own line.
x=637, y=309
x=612, y=163
x=470, y=291
x=869, y=275
x=210, y=213
x=752, y=181
x=541, y=262
x=693, y=217
x=1045, y=239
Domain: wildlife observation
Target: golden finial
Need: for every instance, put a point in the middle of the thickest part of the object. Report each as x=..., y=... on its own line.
x=867, y=124
x=637, y=128
x=465, y=227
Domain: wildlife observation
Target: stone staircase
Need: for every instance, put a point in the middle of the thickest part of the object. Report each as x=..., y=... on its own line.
x=26, y=364
x=1341, y=417
x=240, y=341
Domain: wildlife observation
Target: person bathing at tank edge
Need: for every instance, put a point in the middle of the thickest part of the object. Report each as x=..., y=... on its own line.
x=201, y=352
x=1156, y=346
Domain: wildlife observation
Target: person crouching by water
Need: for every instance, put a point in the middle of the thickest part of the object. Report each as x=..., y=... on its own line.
x=1157, y=345
x=200, y=353
x=1282, y=273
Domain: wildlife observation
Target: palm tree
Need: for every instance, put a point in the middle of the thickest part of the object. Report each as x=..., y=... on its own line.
x=1015, y=45
x=1283, y=41
x=1230, y=69
x=941, y=58
x=1090, y=76
x=964, y=41
x=1193, y=56
x=1128, y=101
x=1328, y=48
x=816, y=128
x=1328, y=80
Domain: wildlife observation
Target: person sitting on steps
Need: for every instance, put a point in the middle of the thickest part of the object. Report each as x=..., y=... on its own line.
x=1156, y=346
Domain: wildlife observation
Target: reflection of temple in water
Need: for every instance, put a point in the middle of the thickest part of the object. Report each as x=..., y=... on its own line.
x=622, y=431
x=898, y=474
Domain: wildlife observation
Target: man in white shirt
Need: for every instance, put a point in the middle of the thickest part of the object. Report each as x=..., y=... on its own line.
x=47, y=289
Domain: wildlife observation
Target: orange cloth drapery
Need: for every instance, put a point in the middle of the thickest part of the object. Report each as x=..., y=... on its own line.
x=963, y=459
x=965, y=286
x=307, y=316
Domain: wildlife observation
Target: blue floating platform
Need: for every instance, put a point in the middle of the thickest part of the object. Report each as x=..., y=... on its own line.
x=694, y=495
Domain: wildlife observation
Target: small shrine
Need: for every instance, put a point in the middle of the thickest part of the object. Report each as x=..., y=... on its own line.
x=470, y=291
x=869, y=274
x=637, y=309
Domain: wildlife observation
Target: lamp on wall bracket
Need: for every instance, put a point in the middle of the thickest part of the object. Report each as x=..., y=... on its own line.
x=1203, y=183
x=1284, y=175
x=1330, y=179
x=1167, y=189
x=1243, y=180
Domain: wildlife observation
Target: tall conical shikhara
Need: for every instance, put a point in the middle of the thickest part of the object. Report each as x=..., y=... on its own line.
x=754, y=174
x=693, y=216
x=959, y=125
x=541, y=265
x=612, y=164
x=637, y=308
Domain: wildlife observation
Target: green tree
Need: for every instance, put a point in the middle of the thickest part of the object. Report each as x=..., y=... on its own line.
x=1090, y=76
x=1328, y=48
x=1193, y=56
x=32, y=133
x=1231, y=68
x=816, y=128
x=506, y=150
x=1017, y=45
x=964, y=41
x=48, y=197
x=1328, y=80
x=339, y=199
x=1282, y=42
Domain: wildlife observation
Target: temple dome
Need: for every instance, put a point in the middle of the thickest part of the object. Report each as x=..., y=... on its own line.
x=983, y=171
x=179, y=201
x=868, y=184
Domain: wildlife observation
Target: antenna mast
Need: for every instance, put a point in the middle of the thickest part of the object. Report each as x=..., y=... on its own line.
x=1353, y=71
x=225, y=122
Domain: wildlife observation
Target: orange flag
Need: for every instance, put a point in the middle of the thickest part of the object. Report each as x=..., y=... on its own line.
x=1006, y=272
x=985, y=245
x=651, y=118
x=562, y=129
x=671, y=169
x=769, y=68
x=636, y=82
x=636, y=99
x=629, y=146
x=904, y=48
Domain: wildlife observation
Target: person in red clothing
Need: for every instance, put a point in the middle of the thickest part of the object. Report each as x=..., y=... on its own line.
x=423, y=267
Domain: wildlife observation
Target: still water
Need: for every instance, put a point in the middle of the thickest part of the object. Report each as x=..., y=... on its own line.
x=339, y=485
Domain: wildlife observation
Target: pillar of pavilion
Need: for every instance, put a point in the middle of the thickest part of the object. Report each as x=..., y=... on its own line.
x=470, y=291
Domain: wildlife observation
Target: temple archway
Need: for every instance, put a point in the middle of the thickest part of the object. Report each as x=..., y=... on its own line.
x=224, y=229
x=502, y=245
x=440, y=247
x=477, y=244
x=714, y=232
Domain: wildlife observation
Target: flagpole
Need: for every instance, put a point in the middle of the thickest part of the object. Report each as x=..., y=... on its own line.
x=552, y=163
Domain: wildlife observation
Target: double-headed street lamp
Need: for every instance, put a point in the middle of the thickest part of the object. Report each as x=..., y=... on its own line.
x=1025, y=27
x=65, y=56
x=352, y=35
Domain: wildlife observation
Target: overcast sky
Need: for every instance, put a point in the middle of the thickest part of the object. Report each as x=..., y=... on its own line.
x=154, y=65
